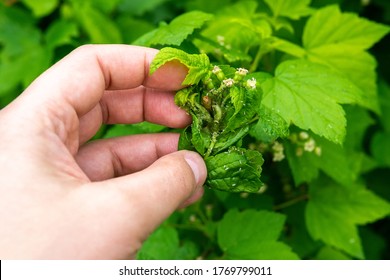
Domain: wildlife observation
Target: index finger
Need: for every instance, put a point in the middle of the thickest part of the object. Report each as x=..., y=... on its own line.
x=81, y=78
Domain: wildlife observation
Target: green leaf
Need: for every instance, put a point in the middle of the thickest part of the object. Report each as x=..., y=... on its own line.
x=339, y=40
x=198, y=64
x=293, y=9
x=60, y=32
x=380, y=147
x=335, y=162
x=384, y=97
x=329, y=253
x=334, y=212
x=206, y=5
x=308, y=95
x=18, y=33
x=139, y=7
x=42, y=7
x=338, y=163
x=176, y=31
x=99, y=27
x=287, y=47
x=270, y=126
x=329, y=27
x=138, y=28
x=233, y=31
x=358, y=120
x=119, y=130
x=199, y=138
x=237, y=170
x=252, y=235
x=302, y=165
x=297, y=236
x=161, y=245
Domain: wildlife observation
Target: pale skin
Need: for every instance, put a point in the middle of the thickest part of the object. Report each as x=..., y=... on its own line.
x=63, y=197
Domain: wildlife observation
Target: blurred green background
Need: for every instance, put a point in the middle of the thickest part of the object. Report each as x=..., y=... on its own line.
x=35, y=34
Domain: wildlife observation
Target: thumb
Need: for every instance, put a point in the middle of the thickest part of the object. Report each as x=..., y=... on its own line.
x=145, y=199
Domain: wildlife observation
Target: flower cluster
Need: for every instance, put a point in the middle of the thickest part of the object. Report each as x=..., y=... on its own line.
x=305, y=143
x=278, y=151
x=239, y=75
x=276, y=148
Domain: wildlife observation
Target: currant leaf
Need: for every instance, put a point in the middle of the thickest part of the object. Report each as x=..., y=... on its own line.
x=198, y=64
x=253, y=235
x=334, y=212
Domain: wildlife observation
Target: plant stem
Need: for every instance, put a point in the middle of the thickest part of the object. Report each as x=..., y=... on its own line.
x=291, y=202
x=257, y=59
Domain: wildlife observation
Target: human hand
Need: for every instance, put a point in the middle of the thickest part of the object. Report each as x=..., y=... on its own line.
x=63, y=198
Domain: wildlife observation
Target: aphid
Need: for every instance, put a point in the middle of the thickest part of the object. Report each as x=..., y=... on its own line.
x=206, y=102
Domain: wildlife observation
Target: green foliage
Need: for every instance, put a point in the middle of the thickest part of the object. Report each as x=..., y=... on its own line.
x=304, y=164
x=176, y=31
x=260, y=229
x=333, y=213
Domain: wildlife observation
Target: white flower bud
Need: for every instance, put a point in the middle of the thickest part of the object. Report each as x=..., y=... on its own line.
x=228, y=82
x=303, y=135
x=242, y=71
x=251, y=83
x=310, y=145
x=216, y=69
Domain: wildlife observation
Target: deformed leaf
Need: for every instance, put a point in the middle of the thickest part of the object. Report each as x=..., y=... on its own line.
x=270, y=126
x=236, y=170
x=223, y=104
x=198, y=64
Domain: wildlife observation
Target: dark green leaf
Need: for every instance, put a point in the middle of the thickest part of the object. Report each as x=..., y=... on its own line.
x=302, y=164
x=61, y=32
x=380, y=147
x=237, y=170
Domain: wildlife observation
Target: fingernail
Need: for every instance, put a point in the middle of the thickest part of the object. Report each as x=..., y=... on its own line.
x=197, y=165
